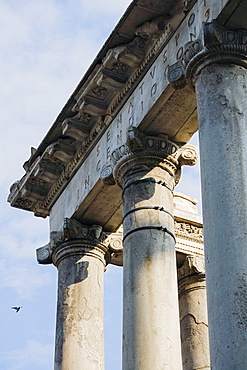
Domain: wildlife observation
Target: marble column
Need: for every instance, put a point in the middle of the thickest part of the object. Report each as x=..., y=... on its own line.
x=193, y=314
x=145, y=168
x=80, y=258
x=219, y=74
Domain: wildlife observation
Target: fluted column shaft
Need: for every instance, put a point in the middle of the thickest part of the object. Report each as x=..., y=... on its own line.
x=193, y=314
x=79, y=330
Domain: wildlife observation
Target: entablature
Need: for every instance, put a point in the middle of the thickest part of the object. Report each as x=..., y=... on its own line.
x=126, y=86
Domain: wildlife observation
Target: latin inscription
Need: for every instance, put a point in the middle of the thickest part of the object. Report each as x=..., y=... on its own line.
x=149, y=86
x=134, y=110
x=87, y=181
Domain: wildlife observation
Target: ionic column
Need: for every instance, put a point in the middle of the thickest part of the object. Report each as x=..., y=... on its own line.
x=216, y=65
x=193, y=314
x=80, y=258
x=145, y=168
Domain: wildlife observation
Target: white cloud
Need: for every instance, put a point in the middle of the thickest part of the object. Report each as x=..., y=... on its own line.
x=20, y=236
x=25, y=279
x=34, y=355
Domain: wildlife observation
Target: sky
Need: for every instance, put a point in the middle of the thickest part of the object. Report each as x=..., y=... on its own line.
x=46, y=47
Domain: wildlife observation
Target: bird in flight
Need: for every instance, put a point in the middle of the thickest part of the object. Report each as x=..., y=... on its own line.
x=17, y=309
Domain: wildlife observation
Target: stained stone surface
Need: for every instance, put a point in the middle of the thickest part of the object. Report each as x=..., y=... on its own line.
x=193, y=314
x=80, y=317
x=150, y=311
x=222, y=106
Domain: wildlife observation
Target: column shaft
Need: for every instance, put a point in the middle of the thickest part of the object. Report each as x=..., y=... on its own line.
x=193, y=314
x=147, y=168
x=79, y=331
x=222, y=105
x=150, y=314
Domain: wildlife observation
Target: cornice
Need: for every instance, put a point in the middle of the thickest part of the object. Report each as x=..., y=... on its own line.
x=96, y=103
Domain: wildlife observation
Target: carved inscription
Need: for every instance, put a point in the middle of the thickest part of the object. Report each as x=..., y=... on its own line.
x=199, y=14
x=141, y=100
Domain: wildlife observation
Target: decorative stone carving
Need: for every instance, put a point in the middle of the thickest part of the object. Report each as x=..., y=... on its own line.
x=129, y=54
x=192, y=265
x=112, y=79
x=141, y=69
x=44, y=254
x=63, y=149
x=24, y=203
x=217, y=44
x=154, y=28
x=99, y=91
x=106, y=175
x=221, y=45
x=185, y=155
x=119, y=68
x=136, y=140
x=48, y=169
x=37, y=186
x=75, y=129
x=114, y=242
x=176, y=75
x=95, y=107
x=84, y=118
x=111, y=76
x=139, y=145
x=74, y=229
x=177, y=71
x=189, y=231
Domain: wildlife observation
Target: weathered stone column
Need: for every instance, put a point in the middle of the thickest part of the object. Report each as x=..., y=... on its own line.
x=81, y=259
x=193, y=314
x=145, y=168
x=219, y=73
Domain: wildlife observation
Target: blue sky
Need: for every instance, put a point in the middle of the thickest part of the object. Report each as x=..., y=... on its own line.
x=46, y=47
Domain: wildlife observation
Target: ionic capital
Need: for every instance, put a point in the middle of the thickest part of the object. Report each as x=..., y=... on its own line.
x=192, y=265
x=75, y=238
x=217, y=44
x=141, y=153
x=114, y=242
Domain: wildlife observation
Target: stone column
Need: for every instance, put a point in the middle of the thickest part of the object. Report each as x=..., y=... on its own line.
x=145, y=168
x=80, y=258
x=219, y=74
x=193, y=314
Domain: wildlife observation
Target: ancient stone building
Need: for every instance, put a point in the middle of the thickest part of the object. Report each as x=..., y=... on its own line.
x=105, y=175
